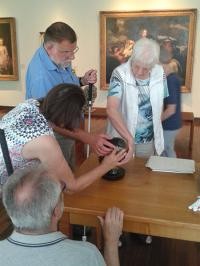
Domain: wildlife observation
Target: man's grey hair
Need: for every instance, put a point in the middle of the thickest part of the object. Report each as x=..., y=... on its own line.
x=146, y=52
x=30, y=196
x=58, y=32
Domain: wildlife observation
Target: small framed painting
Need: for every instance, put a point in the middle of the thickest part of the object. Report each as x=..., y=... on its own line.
x=8, y=50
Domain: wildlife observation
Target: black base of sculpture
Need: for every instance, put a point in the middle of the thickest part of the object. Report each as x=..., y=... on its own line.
x=114, y=174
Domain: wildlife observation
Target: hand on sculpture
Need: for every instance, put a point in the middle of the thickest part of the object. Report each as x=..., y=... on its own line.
x=130, y=154
x=115, y=158
x=100, y=144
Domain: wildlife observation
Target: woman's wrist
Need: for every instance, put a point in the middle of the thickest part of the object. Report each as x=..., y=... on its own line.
x=130, y=141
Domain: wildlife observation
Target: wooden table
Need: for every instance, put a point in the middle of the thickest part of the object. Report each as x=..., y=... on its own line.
x=154, y=203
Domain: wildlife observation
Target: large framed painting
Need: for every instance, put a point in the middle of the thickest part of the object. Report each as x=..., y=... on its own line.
x=8, y=50
x=172, y=29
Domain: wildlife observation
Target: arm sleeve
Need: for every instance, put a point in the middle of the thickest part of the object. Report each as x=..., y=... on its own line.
x=115, y=87
x=37, y=88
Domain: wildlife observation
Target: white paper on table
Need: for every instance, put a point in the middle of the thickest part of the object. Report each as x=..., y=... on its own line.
x=173, y=165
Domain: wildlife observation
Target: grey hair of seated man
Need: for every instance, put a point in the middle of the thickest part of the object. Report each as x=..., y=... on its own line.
x=30, y=197
x=146, y=52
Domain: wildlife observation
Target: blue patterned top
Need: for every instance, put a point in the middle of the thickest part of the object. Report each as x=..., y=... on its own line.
x=144, y=129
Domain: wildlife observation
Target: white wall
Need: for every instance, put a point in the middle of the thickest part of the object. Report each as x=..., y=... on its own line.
x=35, y=16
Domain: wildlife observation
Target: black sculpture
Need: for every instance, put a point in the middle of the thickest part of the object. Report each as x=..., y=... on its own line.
x=117, y=172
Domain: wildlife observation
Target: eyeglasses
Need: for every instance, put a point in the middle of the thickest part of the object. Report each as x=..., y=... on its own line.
x=73, y=51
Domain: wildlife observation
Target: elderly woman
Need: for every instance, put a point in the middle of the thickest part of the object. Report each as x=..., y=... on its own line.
x=135, y=101
x=29, y=132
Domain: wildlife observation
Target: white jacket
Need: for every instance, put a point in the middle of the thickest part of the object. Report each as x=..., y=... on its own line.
x=129, y=102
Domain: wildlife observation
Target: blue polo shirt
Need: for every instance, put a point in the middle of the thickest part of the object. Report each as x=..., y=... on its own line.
x=43, y=74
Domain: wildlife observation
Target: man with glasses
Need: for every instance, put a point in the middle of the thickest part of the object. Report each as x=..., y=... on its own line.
x=50, y=66
x=34, y=202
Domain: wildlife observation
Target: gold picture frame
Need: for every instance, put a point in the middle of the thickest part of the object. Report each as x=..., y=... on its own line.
x=119, y=31
x=8, y=50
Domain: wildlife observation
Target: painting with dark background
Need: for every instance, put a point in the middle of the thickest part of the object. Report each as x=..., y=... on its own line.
x=174, y=32
x=8, y=62
x=5, y=36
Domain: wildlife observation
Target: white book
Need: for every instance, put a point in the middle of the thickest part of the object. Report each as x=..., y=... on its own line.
x=174, y=165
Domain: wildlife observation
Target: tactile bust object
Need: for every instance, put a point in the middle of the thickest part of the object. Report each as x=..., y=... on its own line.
x=117, y=172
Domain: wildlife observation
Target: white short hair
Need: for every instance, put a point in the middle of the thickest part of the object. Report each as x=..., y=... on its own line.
x=146, y=51
x=40, y=193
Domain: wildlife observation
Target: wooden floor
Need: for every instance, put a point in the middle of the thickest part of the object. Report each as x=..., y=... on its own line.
x=162, y=251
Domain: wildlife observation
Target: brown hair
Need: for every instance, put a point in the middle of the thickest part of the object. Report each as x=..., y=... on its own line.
x=63, y=105
x=58, y=32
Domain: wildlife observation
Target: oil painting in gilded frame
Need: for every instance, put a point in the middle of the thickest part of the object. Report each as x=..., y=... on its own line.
x=172, y=29
x=8, y=50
